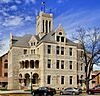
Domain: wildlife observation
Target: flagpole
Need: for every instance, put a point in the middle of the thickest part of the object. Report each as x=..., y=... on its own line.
x=43, y=3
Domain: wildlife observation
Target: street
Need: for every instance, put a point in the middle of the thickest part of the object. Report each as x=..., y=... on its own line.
x=83, y=94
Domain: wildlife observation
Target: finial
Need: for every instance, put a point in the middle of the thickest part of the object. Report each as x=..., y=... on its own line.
x=10, y=35
x=43, y=8
x=50, y=10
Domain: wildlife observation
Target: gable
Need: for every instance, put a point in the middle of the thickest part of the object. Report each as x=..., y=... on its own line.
x=60, y=31
x=33, y=41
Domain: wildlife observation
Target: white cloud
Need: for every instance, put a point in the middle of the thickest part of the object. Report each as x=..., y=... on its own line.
x=71, y=20
x=28, y=18
x=18, y=1
x=0, y=33
x=36, y=12
x=5, y=1
x=5, y=47
x=13, y=21
x=95, y=67
x=14, y=7
x=33, y=1
x=3, y=13
x=61, y=1
x=30, y=1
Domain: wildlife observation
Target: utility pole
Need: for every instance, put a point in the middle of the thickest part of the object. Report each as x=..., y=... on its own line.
x=31, y=83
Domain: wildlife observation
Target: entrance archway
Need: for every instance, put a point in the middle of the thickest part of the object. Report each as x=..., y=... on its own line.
x=27, y=79
x=35, y=78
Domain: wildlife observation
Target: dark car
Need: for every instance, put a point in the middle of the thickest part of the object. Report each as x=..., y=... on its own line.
x=70, y=91
x=44, y=91
x=95, y=89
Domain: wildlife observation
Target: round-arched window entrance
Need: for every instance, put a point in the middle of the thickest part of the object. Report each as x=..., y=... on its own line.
x=35, y=78
x=27, y=79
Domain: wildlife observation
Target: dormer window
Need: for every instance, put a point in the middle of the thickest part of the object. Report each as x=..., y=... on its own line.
x=62, y=39
x=60, y=33
x=34, y=43
x=58, y=38
x=31, y=44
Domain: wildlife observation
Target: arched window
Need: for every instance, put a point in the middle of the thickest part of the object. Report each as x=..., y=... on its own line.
x=32, y=64
x=35, y=78
x=6, y=60
x=46, y=26
x=26, y=64
x=37, y=64
x=23, y=64
x=49, y=26
x=43, y=25
x=27, y=79
x=20, y=76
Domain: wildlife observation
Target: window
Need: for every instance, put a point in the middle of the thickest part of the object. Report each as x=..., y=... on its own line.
x=32, y=51
x=31, y=44
x=81, y=53
x=58, y=38
x=60, y=33
x=62, y=39
x=62, y=50
x=49, y=49
x=6, y=60
x=43, y=25
x=46, y=26
x=70, y=64
x=34, y=43
x=62, y=79
x=81, y=67
x=70, y=51
x=57, y=50
x=5, y=74
x=93, y=81
x=70, y=80
x=49, y=63
x=48, y=79
x=25, y=51
x=57, y=64
x=6, y=65
x=62, y=64
x=77, y=66
x=49, y=26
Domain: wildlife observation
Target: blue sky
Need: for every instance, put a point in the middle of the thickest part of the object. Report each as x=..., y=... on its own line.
x=18, y=16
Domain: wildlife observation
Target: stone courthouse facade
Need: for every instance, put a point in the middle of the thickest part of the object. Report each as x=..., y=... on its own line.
x=48, y=58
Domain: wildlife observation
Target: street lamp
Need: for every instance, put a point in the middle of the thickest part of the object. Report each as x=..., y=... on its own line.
x=31, y=82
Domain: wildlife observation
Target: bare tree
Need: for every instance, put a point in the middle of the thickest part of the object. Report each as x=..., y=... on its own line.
x=90, y=42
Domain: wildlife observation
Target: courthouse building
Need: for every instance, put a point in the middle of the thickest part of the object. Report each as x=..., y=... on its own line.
x=49, y=58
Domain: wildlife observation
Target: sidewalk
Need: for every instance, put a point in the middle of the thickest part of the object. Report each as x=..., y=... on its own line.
x=15, y=92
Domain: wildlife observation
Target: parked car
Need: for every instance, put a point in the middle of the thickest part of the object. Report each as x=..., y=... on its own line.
x=44, y=91
x=80, y=90
x=70, y=91
x=93, y=90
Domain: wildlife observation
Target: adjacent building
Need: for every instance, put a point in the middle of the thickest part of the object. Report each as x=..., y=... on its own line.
x=4, y=71
x=49, y=58
x=96, y=80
